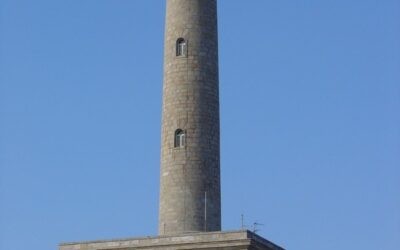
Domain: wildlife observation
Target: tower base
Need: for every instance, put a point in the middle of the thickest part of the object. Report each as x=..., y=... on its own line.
x=230, y=240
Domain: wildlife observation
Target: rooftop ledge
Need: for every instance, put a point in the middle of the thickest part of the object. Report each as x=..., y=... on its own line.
x=242, y=239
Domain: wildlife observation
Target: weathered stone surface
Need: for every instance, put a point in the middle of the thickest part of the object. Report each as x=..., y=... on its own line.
x=235, y=240
x=191, y=103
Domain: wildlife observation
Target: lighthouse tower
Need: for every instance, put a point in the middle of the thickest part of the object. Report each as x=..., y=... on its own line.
x=190, y=199
x=190, y=192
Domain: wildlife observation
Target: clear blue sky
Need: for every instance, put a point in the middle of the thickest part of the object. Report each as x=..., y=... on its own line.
x=310, y=100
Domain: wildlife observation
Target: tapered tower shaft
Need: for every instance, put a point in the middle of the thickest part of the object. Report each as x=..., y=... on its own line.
x=190, y=199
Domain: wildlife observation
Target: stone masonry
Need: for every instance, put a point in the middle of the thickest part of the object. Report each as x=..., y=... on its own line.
x=190, y=174
x=190, y=196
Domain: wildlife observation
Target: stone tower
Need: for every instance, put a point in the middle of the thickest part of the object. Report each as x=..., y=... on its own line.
x=190, y=199
x=190, y=196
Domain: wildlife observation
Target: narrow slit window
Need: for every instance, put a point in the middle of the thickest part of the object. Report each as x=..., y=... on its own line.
x=181, y=47
x=180, y=138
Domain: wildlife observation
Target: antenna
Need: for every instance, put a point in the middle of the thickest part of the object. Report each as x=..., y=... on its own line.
x=205, y=211
x=255, y=224
x=242, y=221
